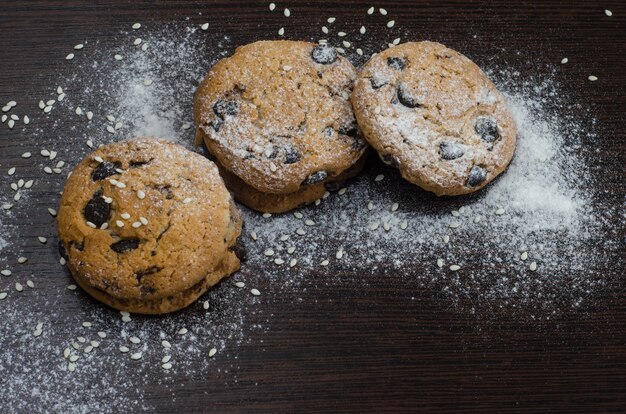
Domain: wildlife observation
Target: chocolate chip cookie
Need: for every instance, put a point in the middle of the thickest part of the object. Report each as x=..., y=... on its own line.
x=433, y=114
x=277, y=116
x=147, y=226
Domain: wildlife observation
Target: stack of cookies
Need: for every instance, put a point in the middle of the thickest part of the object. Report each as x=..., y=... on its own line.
x=147, y=226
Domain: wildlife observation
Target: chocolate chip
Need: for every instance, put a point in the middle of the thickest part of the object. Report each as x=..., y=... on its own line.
x=349, y=130
x=324, y=54
x=487, y=128
x=105, y=169
x=125, y=245
x=449, y=150
x=225, y=107
x=316, y=177
x=390, y=160
x=240, y=250
x=476, y=176
x=137, y=164
x=97, y=211
x=377, y=83
x=292, y=155
x=146, y=272
x=396, y=63
x=405, y=98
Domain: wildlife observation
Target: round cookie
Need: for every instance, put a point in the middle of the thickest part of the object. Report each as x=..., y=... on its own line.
x=147, y=226
x=432, y=113
x=277, y=115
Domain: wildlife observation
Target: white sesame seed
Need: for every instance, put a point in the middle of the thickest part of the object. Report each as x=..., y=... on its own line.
x=126, y=318
x=187, y=200
x=255, y=292
x=477, y=219
x=137, y=41
x=346, y=44
x=52, y=212
x=42, y=104
x=71, y=287
x=75, y=345
x=391, y=23
x=166, y=344
x=89, y=117
x=136, y=26
x=204, y=26
x=379, y=177
x=301, y=232
x=62, y=262
x=291, y=249
x=78, y=47
x=134, y=340
x=141, y=195
x=454, y=268
x=136, y=356
x=205, y=305
x=26, y=120
x=125, y=216
x=166, y=358
x=73, y=358
x=61, y=97
x=524, y=256
x=370, y=206
x=81, y=339
x=287, y=13
x=3, y=295
x=284, y=237
x=440, y=263
x=4, y=118
x=309, y=222
x=446, y=239
x=66, y=352
x=7, y=206
x=359, y=52
x=608, y=12
x=272, y=6
x=386, y=226
x=339, y=254
x=564, y=61
x=11, y=171
x=71, y=367
x=240, y=284
x=22, y=259
x=6, y=108
x=500, y=211
x=370, y=10
x=166, y=366
x=293, y=262
x=118, y=57
x=341, y=34
x=396, y=41
x=120, y=185
x=395, y=206
x=324, y=29
x=143, y=221
x=70, y=56
x=182, y=331
x=362, y=30
x=404, y=225
x=454, y=225
x=324, y=262
x=102, y=334
x=136, y=224
x=47, y=109
x=119, y=124
x=119, y=223
x=42, y=239
x=593, y=78
x=298, y=215
x=11, y=123
x=374, y=226
x=533, y=266
x=6, y=272
x=253, y=235
x=268, y=252
x=279, y=261
x=110, y=129
x=15, y=117
x=281, y=31
x=212, y=352
x=147, y=82
x=19, y=287
x=267, y=215
x=87, y=324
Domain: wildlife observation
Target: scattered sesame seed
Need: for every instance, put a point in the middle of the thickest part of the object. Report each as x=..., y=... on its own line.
x=118, y=57
x=608, y=12
x=255, y=292
x=272, y=6
x=279, y=261
x=281, y=31
x=141, y=195
x=102, y=334
x=134, y=340
x=374, y=226
x=70, y=56
x=166, y=366
x=136, y=356
x=240, y=284
x=500, y=211
x=119, y=223
x=253, y=235
x=440, y=263
x=125, y=216
x=187, y=200
x=293, y=262
x=212, y=352
x=391, y=23
x=110, y=129
x=339, y=254
x=593, y=78
x=182, y=331
x=331, y=20
x=268, y=252
x=370, y=10
x=267, y=215
x=301, y=232
x=166, y=344
x=204, y=26
x=341, y=34
x=11, y=123
x=564, y=61
x=533, y=266
x=19, y=287
x=205, y=305
x=26, y=120
x=136, y=26
x=523, y=256
x=87, y=324
x=309, y=222
x=42, y=239
x=71, y=367
x=3, y=295
x=143, y=220
x=71, y=287
x=22, y=259
x=446, y=239
x=454, y=225
x=379, y=177
x=395, y=206
x=404, y=225
x=78, y=47
x=287, y=12
x=362, y=30
x=454, y=268
x=291, y=249
x=52, y=212
x=5, y=272
x=166, y=358
x=477, y=219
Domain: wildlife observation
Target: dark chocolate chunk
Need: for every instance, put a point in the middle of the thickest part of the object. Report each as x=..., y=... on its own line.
x=225, y=107
x=487, y=128
x=390, y=160
x=377, y=83
x=396, y=63
x=316, y=177
x=105, y=169
x=125, y=245
x=405, y=98
x=349, y=130
x=62, y=250
x=476, y=176
x=449, y=150
x=324, y=54
x=137, y=164
x=97, y=211
x=240, y=250
x=292, y=155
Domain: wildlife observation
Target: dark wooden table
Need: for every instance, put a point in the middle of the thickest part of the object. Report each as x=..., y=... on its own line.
x=343, y=345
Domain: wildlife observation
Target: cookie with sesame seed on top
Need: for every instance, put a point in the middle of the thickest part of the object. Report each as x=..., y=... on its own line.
x=433, y=114
x=277, y=117
x=147, y=226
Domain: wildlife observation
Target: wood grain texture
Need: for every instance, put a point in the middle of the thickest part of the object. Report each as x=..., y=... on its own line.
x=346, y=347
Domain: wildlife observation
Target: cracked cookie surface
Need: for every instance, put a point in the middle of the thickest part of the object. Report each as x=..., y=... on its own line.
x=433, y=114
x=147, y=226
x=277, y=115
